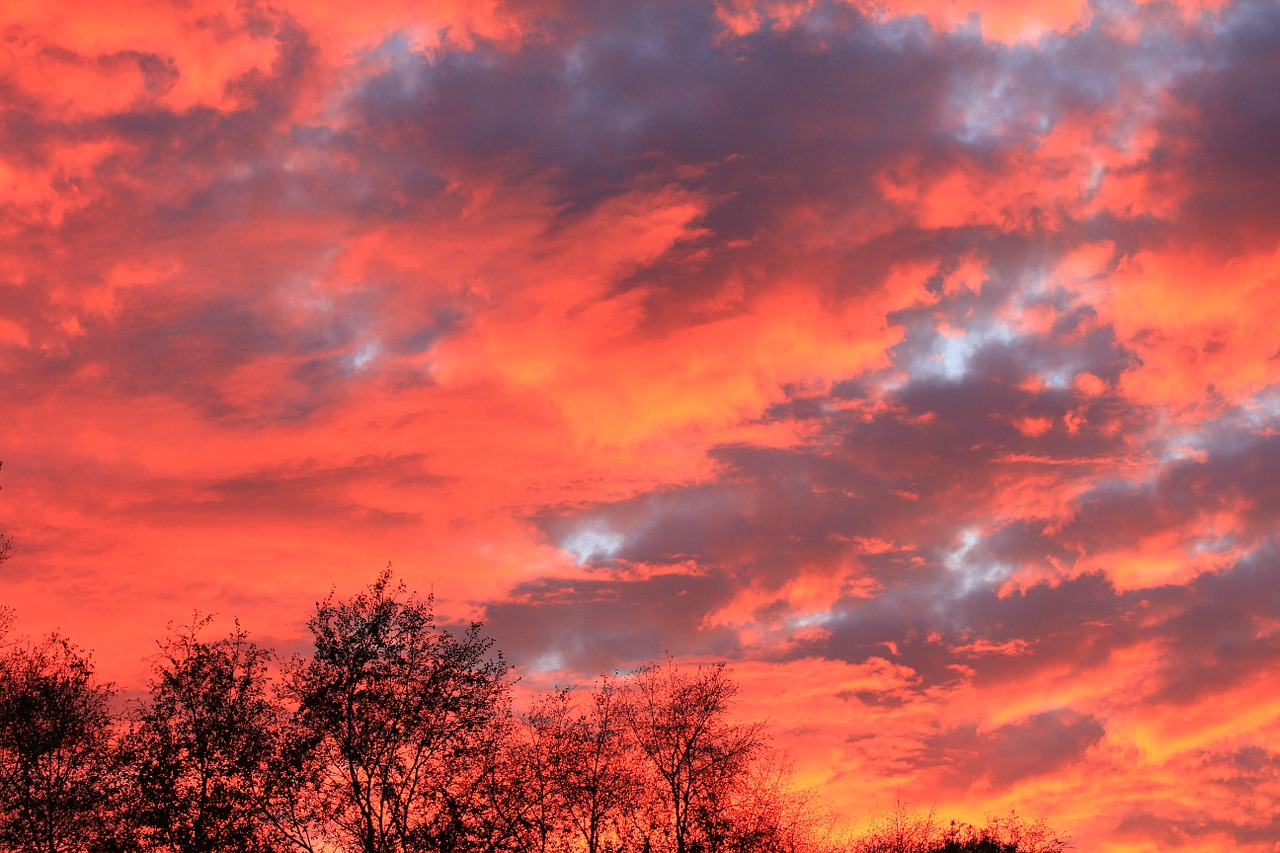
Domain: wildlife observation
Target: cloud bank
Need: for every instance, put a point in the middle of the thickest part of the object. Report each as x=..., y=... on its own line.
x=916, y=358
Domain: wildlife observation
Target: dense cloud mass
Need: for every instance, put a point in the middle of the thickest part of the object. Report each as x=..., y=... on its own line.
x=916, y=358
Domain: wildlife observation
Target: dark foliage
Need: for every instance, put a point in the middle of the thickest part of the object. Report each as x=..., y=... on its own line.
x=198, y=753
x=397, y=736
x=679, y=722
x=405, y=721
x=55, y=750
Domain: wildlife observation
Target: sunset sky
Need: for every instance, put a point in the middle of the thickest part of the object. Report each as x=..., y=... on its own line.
x=919, y=358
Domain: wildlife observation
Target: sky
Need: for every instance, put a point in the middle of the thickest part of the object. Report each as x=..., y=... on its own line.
x=918, y=358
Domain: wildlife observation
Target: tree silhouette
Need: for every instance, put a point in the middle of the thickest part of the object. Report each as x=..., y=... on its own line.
x=681, y=726
x=767, y=815
x=55, y=757
x=198, y=751
x=581, y=769
x=396, y=735
x=526, y=783
x=404, y=717
x=600, y=779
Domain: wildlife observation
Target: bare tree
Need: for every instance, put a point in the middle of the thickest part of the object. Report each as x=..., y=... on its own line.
x=601, y=779
x=405, y=717
x=769, y=815
x=579, y=771
x=55, y=749
x=6, y=544
x=681, y=725
x=902, y=831
x=525, y=792
x=199, y=749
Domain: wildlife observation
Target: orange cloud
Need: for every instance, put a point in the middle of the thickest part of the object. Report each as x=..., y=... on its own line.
x=922, y=368
x=1203, y=346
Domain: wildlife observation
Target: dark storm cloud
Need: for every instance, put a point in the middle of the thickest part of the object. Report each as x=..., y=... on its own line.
x=1237, y=474
x=917, y=473
x=771, y=124
x=915, y=484
x=734, y=523
x=204, y=137
x=785, y=129
x=775, y=126
x=1041, y=745
x=1215, y=632
x=588, y=626
x=1222, y=634
x=947, y=632
x=781, y=122
x=1223, y=133
x=185, y=343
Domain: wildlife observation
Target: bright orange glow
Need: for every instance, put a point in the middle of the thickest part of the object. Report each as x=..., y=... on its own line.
x=917, y=357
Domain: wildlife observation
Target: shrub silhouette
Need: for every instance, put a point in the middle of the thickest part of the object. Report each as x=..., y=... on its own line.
x=905, y=831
